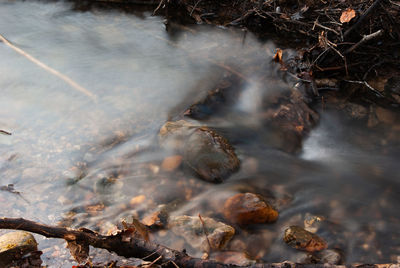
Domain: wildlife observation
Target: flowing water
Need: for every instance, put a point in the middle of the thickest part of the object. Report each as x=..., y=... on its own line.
x=85, y=153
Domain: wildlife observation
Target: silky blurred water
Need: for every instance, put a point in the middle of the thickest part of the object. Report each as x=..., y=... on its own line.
x=89, y=157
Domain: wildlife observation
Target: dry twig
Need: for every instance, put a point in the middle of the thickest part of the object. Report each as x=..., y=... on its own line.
x=65, y=78
x=5, y=132
x=364, y=39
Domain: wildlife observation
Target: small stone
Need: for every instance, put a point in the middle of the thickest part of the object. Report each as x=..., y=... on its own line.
x=312, y=222
x=234, y=257
x=171, y=163
x=299, y=238
x=331, y=256
x=327, y=256
x=14, y=245
x=137, y=200
x=192, y=229
x=249, y=208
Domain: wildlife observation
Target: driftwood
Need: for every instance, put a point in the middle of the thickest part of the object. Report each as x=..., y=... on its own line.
x=128, y=244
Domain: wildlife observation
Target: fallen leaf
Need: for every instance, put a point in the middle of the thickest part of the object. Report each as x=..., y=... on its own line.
x=278, y=55
x=299, y=128
x=347, y=15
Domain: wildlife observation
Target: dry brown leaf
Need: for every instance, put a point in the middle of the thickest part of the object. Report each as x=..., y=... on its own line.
x=347, y=15
x=278, y=55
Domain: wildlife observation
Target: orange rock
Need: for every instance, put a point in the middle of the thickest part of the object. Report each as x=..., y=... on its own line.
x=137, y=200
x=171, y=163
x=248, y=208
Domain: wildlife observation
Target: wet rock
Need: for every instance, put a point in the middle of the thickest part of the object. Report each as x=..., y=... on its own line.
x=290, y=118
x=206, y=152
x=291, y=112
x=331, y=256
x=233, y=257
x=223, y=93
x=299, y=238
x=327, y=256
x=172, y=162
x=16, y=247
x=193, y=230
x=173, y=134
x=312, y=222
x=107, y=185
x=248, y=208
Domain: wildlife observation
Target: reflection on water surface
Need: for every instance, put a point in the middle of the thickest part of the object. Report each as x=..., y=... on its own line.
x=92, y=162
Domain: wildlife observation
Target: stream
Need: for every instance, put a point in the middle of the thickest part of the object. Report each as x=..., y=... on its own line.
x=89, y=158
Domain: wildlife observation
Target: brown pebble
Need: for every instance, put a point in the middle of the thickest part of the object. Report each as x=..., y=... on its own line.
x=299, y=238
x=171, y=163
x=248, y=208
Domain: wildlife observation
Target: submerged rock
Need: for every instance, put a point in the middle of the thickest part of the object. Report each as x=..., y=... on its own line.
x=327, y=256
x=233, y=257
x=290, y=119
x=331, y=256
x=299, y=238
x=15, y=248
x=249, y=208
x=193, y=230
x=206, y=152
x=171, y=163
x=223, y=93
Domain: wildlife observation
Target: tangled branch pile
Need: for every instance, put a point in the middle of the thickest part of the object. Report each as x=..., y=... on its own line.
x=350, y=37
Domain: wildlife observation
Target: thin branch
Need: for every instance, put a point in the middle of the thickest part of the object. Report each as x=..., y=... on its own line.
x=365, y=83
x=66, y=79
x=194, y=7
x=158, y=7
x=364, y=39
x=324, y=27
x=5, y=132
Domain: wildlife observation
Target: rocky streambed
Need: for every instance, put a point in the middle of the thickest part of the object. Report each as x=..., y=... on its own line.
x=206, y=136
